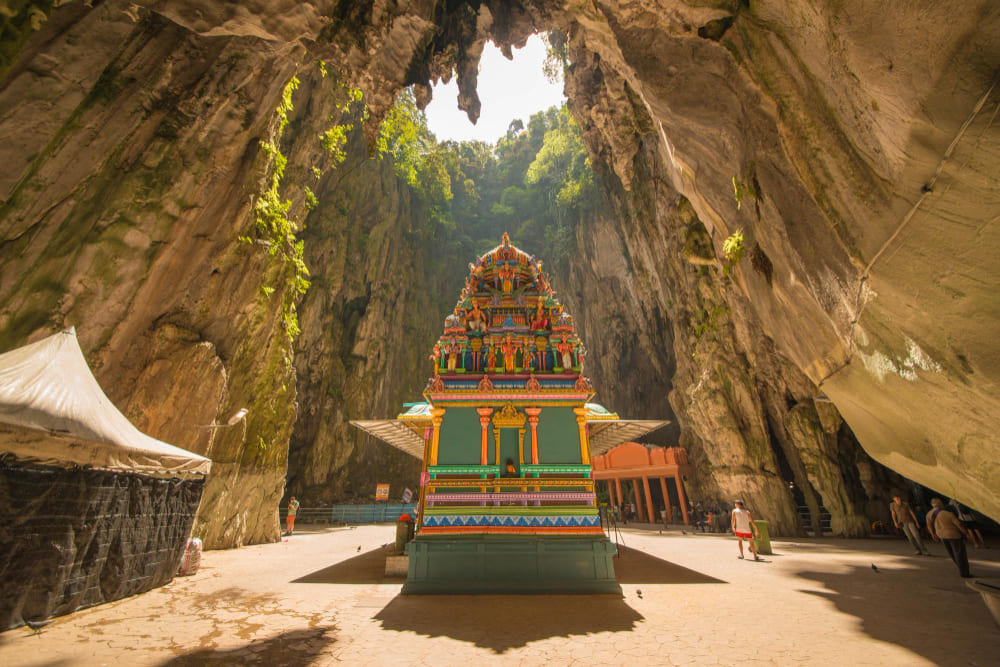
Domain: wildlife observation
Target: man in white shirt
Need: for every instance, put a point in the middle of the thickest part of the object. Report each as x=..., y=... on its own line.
x=744, y=528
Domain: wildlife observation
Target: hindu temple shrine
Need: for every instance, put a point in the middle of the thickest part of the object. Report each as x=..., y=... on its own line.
x=506, y=434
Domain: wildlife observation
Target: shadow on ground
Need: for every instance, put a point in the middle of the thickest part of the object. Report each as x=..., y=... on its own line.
x=296, y=647
x=637, y=567
x=365, y=568
x=963, y=630
x=631, y=567
x=504, y=622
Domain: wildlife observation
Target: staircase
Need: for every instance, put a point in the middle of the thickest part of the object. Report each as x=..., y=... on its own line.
x=805, y=520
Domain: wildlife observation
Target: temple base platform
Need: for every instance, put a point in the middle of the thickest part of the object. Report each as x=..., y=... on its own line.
x=515, y=564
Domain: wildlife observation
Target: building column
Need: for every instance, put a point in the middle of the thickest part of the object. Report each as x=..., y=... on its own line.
x=638, y=499
x=533, y=421
x=611, y=495
x=681, y=499
x=484, y=421
x=649, y=500
x=423, y=473
x=581, y=421
x=666, y=500
x=437, y=416
x=618, y=488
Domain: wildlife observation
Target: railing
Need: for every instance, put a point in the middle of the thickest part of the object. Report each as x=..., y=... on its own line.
x=537, y=469
x=481, y=470
x=507, y=482
x=434, y=499
x=375, y=513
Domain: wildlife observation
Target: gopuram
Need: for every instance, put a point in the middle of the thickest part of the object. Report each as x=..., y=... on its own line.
x=506, y=436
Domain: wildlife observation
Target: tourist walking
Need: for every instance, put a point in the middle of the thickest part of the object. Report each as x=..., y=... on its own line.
x=743, y=526
x=906, y=521
x=945, y=527
x=293, y=509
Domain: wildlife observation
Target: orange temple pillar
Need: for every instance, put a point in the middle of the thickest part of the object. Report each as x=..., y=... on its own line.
x=581, y=420
x=638, y=500
x=618, y=488
x=437, y=416
x=611, y=495
x=533, y=421
x=680, y=498
x=484, y=421
x=649, y=500
x=666, y=501
x=423, y=474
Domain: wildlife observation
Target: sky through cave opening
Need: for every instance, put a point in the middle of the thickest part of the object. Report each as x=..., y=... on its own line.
x=508, y=89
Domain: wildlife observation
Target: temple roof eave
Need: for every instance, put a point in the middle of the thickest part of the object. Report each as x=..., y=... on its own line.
x=396, y=432
x=606, y=434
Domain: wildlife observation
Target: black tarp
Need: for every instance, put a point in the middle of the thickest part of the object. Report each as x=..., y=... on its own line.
x=74, y=538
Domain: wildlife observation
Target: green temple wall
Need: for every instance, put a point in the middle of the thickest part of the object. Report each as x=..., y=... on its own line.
x=508, y=448
x=558, y=437
x=461, y=433
x=461, y=438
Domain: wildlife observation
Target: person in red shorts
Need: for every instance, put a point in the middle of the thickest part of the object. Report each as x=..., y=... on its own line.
x=293, y=509
x=743, y=526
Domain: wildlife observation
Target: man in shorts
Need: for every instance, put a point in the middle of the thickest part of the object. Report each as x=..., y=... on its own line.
x=293, y=509
x=743, y=526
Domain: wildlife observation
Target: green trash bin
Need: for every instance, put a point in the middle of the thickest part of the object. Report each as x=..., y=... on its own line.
x=763, y=539
x=404, y=532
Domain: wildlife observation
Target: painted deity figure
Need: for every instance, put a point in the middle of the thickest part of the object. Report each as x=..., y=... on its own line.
x=506, y=274
x=436, y=357
x=565, y=350
x=475, y=319
x=540, y=321
x=509, y=349
x=452, y=356
x=491, y=358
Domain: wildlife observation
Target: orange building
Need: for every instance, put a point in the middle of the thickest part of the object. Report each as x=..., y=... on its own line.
x=635, y=462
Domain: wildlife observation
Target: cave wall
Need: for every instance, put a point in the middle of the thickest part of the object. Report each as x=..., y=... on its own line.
x=132, y=156
x=863, y=138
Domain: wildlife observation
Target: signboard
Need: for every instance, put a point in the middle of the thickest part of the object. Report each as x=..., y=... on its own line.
x=381, y=492
x=407, y=495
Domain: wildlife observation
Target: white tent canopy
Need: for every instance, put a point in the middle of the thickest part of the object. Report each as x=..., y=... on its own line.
x=53, y=411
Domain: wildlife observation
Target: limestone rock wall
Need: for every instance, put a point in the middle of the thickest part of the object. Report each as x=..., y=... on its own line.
x=370, y=316
x=132, y=159
x=859, y=141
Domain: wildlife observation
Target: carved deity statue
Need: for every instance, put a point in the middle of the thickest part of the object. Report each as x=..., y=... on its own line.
x=509, y=349
x=475, y=319
x=436, y=356
x=565, y=350
x=452, y=356
x=540, y=321
x=506, y=274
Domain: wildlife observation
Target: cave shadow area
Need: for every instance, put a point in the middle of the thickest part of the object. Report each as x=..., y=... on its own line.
x=526, y=618
x=366, y=568
x=637, y=567
x=295, y=647
x=631, y=567
x=930, y=612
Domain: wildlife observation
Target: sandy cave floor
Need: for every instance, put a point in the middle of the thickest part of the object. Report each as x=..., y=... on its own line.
x=320, y=598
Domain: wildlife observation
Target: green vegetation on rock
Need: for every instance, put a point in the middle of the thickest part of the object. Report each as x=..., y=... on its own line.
x=536, y=182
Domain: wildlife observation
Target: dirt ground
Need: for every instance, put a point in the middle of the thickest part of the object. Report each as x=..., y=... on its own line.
x=320, y=598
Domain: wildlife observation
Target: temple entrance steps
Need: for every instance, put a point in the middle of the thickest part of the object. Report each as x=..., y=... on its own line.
x=805, y=520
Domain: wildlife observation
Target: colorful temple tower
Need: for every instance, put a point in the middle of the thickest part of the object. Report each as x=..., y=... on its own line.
x=506, y=435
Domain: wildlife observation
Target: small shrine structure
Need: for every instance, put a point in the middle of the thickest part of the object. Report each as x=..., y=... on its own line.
x=506, y=435
x=637, y=463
